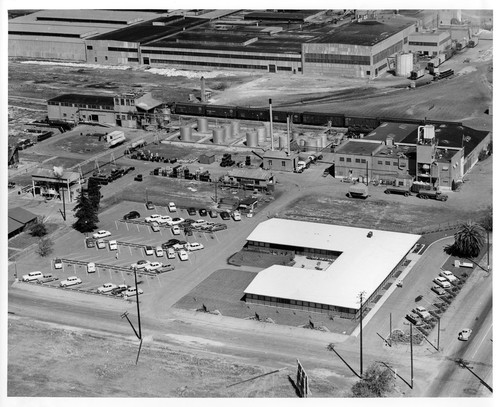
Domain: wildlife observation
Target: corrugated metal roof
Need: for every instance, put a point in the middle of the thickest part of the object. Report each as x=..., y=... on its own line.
x=363, y=265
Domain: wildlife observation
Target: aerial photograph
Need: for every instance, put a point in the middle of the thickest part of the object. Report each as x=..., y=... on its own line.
x=247, y=203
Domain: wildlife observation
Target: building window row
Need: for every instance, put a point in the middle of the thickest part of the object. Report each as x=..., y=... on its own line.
x=133, y=59
x=337, y=59
x=43, y=34
x=220, y=55
x=203, y=63
x=119, y=49
x=424, y=44
x=82, y=106
x=388, y=52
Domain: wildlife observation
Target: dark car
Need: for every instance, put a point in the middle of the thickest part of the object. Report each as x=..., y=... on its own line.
x=225, y=215
x=138, y=177
x=90, y=243
x=218, y=226
x=191, y=211
x=132, y=215
x=413, y=318
x=187, y=222
x=149, y=205
x=118, y=290
x=213, y=214
x=203, y=212
x=170, y=243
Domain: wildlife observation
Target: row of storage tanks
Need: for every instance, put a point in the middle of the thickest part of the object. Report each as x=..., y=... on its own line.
x=254, y=138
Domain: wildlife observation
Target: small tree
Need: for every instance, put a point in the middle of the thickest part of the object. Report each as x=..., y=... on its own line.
x=376, y=382
x=86, y=214
x=38, y=229
x=45, y=246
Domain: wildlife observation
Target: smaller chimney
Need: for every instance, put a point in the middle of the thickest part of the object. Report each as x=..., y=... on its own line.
x=203, y=94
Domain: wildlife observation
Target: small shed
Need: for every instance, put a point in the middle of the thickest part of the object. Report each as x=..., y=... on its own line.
x=206, y=158
x=19, y=220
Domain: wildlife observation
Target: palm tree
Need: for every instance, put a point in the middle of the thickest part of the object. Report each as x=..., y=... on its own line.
x=469, y=240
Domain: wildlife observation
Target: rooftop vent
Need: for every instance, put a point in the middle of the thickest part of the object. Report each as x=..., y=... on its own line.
x=370, y=234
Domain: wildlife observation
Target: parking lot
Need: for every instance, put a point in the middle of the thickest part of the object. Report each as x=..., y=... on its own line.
x=114, y=266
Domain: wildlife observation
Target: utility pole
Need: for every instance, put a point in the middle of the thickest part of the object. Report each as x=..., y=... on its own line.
x=361, y=333
x=390, y=329
x=439, y=329
x=271, y=123
x=411, y=355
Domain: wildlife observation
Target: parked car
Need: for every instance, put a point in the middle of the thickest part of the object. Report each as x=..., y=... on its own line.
x=191, y=211
x=218, y=226
x=422, y=312
x=207, y=225
x=149, y=250
x=91, y=268
x=203, y=212
x=89, y=243
x=132, y=291
x=225, y=215
x=172, y=207
x=149, y=206
x=175, y=221
x=100, y=234
x=413, y=318
x=58, y=264
x=119, y=290
x=47, y=278
x=212, y=213
x=194, y=246
x=73, y=280
x=33, y=276
x=106, y=288
x=140, y=264
x=113, y=245
x=176, y=230
x=183, y=255
x=101, y=244
x=170, y=243
x=154, y=265
x=132, y=215
x=438, y=290
x=165, y=268
x=170, y=253
x=152, y=218
x=236, y=216
x=464, y=334
x=138, y=177
x=198, y=223
x=159, y=251
x=442, y=282
x=155, y=227
x=449, y=276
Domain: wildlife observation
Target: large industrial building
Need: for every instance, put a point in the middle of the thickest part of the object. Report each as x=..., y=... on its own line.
x=362, y=260
x=309, y=42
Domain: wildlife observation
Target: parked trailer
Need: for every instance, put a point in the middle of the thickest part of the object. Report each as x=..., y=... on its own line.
x=417, y=74
x=428, y=194
x=398, y=190
x=323, y=119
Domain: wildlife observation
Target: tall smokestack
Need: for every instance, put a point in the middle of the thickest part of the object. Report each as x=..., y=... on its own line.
x=203, y=96
x=271, y=123
x=288, y=134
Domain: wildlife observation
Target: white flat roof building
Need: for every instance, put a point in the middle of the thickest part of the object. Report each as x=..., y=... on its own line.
x=364, y=262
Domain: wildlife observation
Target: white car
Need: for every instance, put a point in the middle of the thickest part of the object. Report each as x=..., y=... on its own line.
x=140, y=264
x=194, y=246
x=422, y=312
x=198, y=223
x=170, y=253
x=164, y=220
x=236, y=216
x=442, y=282
x=464, y=334
x=149, y=250
x=172, y=207
x=131, y=291
x=153, y=218
x=176, y=230
x=100, y=234
x=159, y=251
x=175, y=221
x=58, y=264
x=113, y=245
x=91, y=267
x=34, y=275
x=73, y=280
x=183, y=255
x=155, y=265
x=106, y=288
x=449, y=276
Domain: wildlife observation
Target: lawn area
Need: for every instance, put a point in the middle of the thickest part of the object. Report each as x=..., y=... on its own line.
x=24, y=239
x=224, y=289
x=258, y=259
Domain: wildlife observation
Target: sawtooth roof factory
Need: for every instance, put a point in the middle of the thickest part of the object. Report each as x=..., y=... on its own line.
x=360, y=260
x=311, y=42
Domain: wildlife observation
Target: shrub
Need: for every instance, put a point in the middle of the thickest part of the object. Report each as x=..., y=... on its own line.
x=38, y=230
x=45, y=246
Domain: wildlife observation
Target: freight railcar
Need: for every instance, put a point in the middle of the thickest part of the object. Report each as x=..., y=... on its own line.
x=194, y=109
x=252, y=113
x=323, y=119
x=228, y=112
x=279, y=116
x=361, y=123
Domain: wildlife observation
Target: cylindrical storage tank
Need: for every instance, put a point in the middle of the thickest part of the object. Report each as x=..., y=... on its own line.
x=311, y=143
x=218, y=135
x=235, y=127
x=267, y=127
x=252, y=139
x=261, y=134
x=227, y=132
x=324, y=140
x=404, y=64
x=186, y=132
x=301, y=142
x=202, y=125
x=282, y=142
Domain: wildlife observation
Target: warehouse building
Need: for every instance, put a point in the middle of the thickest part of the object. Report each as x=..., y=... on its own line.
x=429, y=43
x=362, y=260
